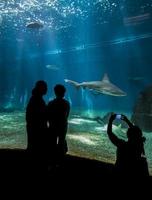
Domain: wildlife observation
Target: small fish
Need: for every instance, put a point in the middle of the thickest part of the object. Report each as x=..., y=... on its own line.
x=34, y=25
x=52, y=67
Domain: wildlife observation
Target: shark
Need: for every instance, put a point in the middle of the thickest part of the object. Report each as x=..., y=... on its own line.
x=99, y=87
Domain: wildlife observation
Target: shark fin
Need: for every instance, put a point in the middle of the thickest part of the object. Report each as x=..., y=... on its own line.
x=105, y=78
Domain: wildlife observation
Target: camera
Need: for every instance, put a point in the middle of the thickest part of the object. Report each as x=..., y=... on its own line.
x=118, y=116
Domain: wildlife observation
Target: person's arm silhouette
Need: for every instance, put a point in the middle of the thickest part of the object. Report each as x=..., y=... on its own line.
x=114, y=139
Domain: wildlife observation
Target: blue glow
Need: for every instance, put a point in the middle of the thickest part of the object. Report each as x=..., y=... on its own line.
x=80, y=41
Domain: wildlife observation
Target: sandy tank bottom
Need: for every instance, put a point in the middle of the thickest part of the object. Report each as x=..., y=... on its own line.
x=86, y=137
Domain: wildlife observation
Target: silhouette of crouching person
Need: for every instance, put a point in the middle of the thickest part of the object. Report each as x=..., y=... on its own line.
x=129, y=157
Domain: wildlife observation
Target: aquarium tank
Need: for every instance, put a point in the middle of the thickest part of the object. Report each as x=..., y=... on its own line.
x=100, y=50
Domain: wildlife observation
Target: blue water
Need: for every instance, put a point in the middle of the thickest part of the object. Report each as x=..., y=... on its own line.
x=81, y=41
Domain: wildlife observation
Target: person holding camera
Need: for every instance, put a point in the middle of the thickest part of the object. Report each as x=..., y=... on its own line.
x=130, y=160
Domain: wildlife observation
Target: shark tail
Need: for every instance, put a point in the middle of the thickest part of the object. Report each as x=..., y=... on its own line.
x=74, y=83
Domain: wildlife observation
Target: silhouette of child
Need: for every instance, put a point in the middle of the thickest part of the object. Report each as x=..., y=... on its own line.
x=58, y=112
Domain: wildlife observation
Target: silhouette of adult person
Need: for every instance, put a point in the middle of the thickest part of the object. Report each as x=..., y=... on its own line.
x=129, y=158
x=36, y=120
x=58, y=112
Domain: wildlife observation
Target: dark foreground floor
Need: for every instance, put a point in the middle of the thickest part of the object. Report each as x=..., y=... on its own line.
x=76, y=175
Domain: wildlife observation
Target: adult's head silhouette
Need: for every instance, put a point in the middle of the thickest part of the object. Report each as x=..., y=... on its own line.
x=40, y=88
